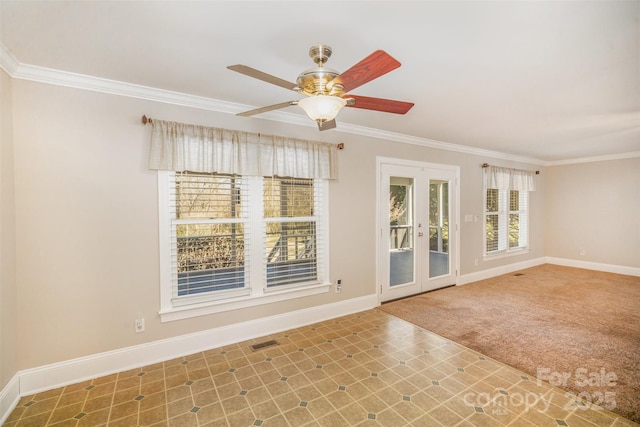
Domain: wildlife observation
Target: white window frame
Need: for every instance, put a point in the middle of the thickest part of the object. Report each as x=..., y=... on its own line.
x=256, y=292
x=504, y=213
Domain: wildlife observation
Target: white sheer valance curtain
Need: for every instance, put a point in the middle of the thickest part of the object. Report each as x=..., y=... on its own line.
x=509, y=179
x=186, y=147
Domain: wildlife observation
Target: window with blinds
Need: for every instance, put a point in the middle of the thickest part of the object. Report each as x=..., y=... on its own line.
x=518, y=219
x=291, y=231
x=210, y=234
x=232, y=238
x=506, y=220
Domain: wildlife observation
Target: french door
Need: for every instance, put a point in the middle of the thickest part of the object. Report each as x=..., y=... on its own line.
x=417, y=221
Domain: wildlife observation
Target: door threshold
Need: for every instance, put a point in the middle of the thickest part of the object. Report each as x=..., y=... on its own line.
x=415, y=295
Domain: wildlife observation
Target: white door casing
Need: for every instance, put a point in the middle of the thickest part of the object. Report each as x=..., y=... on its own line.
x=419, y=251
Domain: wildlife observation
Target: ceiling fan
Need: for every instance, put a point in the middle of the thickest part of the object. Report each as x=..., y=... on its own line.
x=326, y=90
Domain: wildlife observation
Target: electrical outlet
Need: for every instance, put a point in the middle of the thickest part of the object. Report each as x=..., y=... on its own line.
x=139, y=324
x=338, y=286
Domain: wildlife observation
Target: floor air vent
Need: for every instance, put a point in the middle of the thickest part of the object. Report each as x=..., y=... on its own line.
x=519, y=274
x=261, y=345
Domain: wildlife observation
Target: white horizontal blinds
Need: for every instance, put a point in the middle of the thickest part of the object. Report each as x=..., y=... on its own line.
x=518, y=220
x=210, y=234
x=494, y=217
x=292, y=232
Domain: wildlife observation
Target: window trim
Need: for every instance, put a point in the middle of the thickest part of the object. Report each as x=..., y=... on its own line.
x=507, y=252
x=258, y=295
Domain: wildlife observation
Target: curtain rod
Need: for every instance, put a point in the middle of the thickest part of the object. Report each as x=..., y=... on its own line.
x=484, y=165
x=146, y=120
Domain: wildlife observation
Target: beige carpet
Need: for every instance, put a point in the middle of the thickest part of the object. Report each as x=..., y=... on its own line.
x=580, y=328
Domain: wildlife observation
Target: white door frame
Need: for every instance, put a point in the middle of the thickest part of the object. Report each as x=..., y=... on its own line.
x=382, y=278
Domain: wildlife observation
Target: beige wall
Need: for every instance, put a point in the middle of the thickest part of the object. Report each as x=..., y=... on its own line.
x=86, y=217
x=8, y=288
x=594, y=208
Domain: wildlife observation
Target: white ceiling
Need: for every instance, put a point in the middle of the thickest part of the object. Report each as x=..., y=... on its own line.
x=548, y=80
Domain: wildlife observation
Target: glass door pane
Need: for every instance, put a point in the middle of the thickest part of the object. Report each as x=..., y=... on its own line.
x=438, y=228
x=401, y=245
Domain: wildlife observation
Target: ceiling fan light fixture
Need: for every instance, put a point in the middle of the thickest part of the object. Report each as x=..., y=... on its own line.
x=328, y=91
x=322, y=108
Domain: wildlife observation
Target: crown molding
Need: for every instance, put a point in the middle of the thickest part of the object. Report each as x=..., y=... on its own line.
x=439, y=145
x=604, y=158
x=81, y=81
x=8, y=62
x=96, y=84
x=18, y=70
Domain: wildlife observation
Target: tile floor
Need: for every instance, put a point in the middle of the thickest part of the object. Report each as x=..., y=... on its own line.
x=365, y=369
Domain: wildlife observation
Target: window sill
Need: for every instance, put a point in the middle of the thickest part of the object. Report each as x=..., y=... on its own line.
x=505, y=254
x=219, y=306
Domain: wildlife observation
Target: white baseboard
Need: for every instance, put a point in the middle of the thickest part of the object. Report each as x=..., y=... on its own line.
x=9, y=397
x=510, y=268
x=498, y=271
x=55, y=375
x=609, y=268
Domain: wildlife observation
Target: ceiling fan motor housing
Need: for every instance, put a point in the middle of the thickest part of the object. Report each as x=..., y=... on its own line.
x=316, y=81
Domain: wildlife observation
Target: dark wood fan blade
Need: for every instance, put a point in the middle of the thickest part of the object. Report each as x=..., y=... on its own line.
x=379, y=104
x=371, y=67
x=257, y=74
x=331, y=124
x=267, y=108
